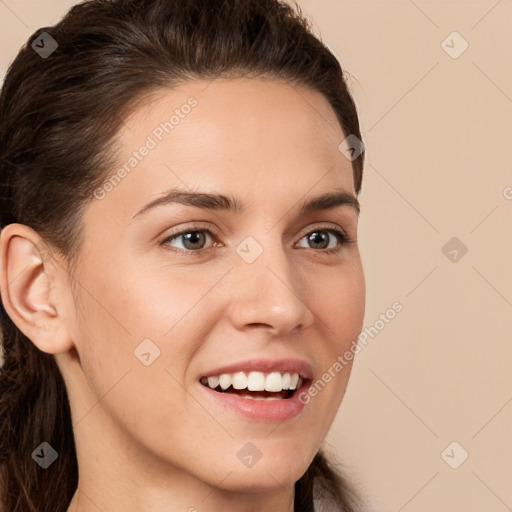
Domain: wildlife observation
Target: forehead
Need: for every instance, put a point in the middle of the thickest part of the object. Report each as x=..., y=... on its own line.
x=240, y=136
x=237, y=114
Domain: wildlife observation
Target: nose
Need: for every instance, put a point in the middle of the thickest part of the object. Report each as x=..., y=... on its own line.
x=269, y=294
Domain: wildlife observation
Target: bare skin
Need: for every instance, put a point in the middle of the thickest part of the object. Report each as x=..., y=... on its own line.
x=147, y=439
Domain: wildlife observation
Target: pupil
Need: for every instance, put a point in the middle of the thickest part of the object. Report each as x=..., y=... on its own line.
x=318, y=237
x=189, y=237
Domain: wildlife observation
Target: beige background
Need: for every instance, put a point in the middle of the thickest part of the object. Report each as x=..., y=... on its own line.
x=439, y=158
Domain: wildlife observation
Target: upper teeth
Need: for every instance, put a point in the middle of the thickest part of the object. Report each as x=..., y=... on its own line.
x=255, y=381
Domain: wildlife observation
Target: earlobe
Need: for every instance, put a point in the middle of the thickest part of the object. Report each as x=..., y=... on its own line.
x=26, y=273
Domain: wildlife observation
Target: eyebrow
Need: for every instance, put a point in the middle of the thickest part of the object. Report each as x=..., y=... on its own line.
x=221, y=202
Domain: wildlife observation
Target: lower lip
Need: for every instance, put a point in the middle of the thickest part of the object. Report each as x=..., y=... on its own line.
x=259, y=410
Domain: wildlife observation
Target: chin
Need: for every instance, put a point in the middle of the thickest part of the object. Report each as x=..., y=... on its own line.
x=268, y=474
x=264, y=480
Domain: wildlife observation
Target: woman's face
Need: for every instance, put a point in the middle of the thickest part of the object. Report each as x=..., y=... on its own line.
x=188, y=288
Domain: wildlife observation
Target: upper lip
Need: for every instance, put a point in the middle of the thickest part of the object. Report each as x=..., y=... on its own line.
x=289, y=365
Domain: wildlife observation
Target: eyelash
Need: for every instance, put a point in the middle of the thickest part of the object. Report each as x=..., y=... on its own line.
x=342, y=238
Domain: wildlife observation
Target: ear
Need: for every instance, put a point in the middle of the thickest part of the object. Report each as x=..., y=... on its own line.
x=27, y=275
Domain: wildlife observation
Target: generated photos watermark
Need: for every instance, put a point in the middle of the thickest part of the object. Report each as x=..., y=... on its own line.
x=152, y=141
x=348, y=355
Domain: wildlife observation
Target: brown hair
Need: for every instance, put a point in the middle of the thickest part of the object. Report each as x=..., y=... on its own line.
x=59, y=114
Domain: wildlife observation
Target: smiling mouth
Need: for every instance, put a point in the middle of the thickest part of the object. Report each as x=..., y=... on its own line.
x=255, y=385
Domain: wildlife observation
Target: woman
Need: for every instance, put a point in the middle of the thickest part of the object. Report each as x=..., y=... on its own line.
x=179, y=262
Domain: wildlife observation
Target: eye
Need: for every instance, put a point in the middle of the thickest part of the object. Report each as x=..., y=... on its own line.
x=325, y=239
x=192, y=239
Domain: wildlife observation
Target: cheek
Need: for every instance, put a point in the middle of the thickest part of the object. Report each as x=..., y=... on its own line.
x=115, y=313
x=342, y=306
x=161, y=298
x=126, y=314
x=348, y=321
x=120, y=320
x=341, y=312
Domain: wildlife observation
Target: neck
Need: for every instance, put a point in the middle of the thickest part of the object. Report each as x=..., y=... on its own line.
x=116, y=474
